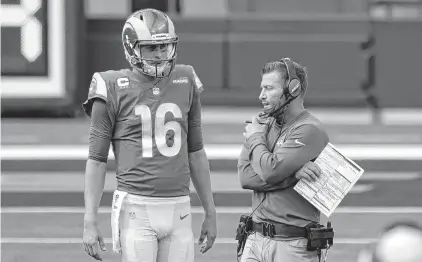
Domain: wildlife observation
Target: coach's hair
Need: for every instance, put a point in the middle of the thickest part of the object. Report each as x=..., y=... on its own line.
x=280, y=67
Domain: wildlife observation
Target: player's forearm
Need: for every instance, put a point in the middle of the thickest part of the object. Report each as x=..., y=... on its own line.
x=94, y=187
x=200, y=175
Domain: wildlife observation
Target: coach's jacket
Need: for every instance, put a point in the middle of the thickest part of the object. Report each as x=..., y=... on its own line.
x=268, y=163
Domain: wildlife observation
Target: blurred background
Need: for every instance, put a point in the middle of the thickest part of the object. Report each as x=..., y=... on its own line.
x=363, y=59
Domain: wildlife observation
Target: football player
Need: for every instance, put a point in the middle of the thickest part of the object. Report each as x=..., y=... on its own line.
x=151, y=114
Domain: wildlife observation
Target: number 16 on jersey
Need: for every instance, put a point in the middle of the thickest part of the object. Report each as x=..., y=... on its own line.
x=161, y=129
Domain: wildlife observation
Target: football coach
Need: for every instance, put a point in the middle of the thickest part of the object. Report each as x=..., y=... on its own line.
x=279, y=148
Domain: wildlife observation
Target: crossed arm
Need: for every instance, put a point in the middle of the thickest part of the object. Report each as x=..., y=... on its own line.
x=261, y=170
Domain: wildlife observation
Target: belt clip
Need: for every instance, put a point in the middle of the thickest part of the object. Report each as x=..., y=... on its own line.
x=268, y=229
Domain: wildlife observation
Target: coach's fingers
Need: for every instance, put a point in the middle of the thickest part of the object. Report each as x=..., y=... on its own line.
x=314, y=169
x=308, y=175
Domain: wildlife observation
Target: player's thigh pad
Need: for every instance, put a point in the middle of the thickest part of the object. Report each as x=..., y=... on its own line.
x=138, y=238
x=178, y=244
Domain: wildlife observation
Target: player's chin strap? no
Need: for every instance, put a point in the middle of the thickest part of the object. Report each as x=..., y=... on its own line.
x=116, y=206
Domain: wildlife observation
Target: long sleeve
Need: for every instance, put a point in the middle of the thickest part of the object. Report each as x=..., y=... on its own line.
x=249, y=179
x=304, y=144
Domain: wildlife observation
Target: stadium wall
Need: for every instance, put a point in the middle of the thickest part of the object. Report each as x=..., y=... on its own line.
x=228, y=55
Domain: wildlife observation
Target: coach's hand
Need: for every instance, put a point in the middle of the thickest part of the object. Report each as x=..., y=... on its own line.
x=310, y=172
x=209, y=231
x=93, y=240
x=254, y=127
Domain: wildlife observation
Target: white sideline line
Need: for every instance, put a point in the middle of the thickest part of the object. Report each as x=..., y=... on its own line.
x=220, y=210
x=214, y=151
x=30, y=240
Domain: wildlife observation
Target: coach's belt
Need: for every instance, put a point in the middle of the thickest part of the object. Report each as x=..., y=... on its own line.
x=116, y=206
x=282, y=230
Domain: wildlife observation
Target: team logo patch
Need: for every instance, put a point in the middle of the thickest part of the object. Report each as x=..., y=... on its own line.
x=132, y=215
x=156, y=91
x=181, y=80
x=279, y=143
x=160, y=36
x=299, y=143
x=122, y=82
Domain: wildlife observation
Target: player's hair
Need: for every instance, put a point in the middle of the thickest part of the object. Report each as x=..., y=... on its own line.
x=301, y=72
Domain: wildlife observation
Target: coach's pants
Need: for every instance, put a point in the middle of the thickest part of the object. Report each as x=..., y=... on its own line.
x=156, y=229
x=262, y=249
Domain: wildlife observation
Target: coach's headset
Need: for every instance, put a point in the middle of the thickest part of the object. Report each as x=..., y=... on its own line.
x=292, y=88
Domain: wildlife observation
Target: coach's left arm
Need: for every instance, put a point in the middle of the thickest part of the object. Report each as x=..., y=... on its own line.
x=249, y=179
x=304, y=144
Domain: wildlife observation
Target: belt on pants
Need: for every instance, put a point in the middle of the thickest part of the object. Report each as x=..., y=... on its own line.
x=271, y=230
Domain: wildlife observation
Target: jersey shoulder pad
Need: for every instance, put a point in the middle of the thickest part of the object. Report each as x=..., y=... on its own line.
x=103, y=86
x=116, y=79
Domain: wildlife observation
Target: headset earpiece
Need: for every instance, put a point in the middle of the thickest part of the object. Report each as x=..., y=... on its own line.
x=293, y=87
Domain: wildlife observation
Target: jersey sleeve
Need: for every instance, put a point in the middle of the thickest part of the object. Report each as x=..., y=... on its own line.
x=195, y=139
x=304, y=144
x=100, y=107
x=97, y=90
x=100, y=132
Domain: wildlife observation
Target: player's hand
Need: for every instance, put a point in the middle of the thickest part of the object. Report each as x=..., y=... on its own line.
x=93, y=240
x=310, y=172
x=254, y=127
x=208, y=231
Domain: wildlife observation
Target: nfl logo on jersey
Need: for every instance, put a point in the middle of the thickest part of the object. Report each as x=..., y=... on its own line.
x=156, y=91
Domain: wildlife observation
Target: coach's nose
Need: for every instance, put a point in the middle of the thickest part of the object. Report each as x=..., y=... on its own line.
x=262, y=95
